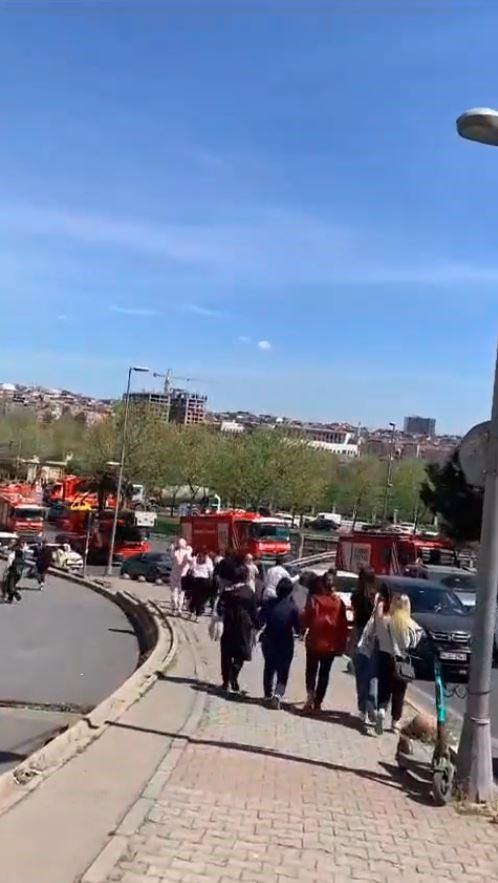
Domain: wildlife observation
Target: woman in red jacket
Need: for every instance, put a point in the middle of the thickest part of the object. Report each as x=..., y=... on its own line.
x=325, y=621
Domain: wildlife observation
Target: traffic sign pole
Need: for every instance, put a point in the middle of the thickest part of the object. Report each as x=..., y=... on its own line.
x=474, y=764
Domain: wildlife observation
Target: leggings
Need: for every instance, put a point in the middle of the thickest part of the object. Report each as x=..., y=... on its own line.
x=318, y=665
x=391, y=688
x=231, y=665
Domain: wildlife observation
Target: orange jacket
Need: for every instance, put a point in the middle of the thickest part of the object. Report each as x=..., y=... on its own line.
x=325, y=619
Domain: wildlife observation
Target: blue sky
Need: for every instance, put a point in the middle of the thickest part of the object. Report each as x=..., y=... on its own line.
x=270, y=196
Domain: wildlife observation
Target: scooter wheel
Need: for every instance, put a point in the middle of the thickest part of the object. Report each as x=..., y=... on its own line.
x=442, y=781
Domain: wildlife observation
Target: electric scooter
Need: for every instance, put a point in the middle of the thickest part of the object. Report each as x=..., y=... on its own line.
x=442, y=764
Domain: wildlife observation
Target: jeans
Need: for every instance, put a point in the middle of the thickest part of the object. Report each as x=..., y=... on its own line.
x=231, y=665
x=318, y=665
x=391, y=688
x=366, y=683
x=277, y=666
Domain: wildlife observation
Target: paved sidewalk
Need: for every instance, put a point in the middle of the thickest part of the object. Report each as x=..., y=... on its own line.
x=256, y=795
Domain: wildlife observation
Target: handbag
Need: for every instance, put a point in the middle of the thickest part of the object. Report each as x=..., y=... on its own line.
x=403, y=666
x=403, y=669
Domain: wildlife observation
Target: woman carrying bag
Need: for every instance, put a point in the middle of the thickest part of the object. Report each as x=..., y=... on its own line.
x=397, y=633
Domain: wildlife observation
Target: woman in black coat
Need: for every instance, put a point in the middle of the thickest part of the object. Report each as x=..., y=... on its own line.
x=238, y=610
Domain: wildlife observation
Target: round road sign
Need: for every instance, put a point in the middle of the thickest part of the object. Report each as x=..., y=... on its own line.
x=472, y=454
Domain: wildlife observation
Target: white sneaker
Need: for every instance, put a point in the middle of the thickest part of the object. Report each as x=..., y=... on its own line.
x=380, y=721
x=396, y=726
x=362, y=716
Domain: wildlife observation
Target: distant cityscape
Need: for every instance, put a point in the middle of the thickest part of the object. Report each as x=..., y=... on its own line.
x=416, y=439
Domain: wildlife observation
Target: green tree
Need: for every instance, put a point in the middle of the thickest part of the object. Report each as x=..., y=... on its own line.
x=357, y=487
x=408, y=477
x=144, y=434
x=448, y=495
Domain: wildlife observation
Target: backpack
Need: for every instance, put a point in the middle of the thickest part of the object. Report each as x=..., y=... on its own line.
x=327, y=625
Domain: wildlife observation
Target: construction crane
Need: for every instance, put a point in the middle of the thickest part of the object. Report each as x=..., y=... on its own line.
x=169, y=376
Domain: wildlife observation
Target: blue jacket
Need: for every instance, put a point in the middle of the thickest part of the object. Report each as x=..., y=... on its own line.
x=281, y=622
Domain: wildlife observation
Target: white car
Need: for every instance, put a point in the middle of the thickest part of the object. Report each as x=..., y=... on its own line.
x=346, y=583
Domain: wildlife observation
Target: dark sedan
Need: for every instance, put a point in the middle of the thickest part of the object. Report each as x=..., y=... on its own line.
x=446, y=622
x=151, y=566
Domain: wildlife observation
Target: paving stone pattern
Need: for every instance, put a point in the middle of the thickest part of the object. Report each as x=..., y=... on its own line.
x=259, y=795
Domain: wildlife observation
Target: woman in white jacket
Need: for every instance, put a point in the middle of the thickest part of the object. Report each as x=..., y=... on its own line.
x=396, y=633
x=181, y=562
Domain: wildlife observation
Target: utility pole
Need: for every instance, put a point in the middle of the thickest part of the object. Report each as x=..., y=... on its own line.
x=475, y=764
x=121, y=468
x=389, y=471
x=89, y=520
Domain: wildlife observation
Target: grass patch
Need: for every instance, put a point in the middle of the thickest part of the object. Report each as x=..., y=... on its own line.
x=166, y=526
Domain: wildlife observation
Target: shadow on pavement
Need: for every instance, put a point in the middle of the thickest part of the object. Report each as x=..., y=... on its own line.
x=386, y=779
x=11, y=757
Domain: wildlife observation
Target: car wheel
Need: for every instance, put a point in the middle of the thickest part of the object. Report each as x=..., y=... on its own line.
x=141, y=578
x=151, y=575
x=124, y=574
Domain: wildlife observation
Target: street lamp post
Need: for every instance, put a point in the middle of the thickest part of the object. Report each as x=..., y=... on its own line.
x=389, y=471
x=475, y=765
x=133, y=370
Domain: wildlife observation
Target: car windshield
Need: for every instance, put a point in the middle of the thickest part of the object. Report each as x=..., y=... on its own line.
x=433, y=600
x=270, y=532
x=25, y=514
x=346, y=583
x=468, y=582
x=129, y=534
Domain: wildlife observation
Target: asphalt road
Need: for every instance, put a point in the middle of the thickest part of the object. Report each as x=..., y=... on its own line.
x=63, y=646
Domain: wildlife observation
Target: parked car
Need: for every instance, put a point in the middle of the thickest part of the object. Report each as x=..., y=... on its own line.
x=149, y=565
x=446, y=621
x=346, y=584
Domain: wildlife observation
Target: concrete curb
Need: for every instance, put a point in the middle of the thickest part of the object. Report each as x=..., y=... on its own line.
x=103, y=865
x=158, y=645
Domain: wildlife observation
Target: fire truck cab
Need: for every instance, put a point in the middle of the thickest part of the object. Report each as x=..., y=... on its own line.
x=244, y=532
x=132, y=533
x=20, y=511
x=389, y=551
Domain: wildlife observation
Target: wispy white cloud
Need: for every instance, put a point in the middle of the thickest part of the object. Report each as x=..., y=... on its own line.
x=205, y=311
x=242, y=338
x=134, y=311
x=264, y=345
x=262, y=245
x=62, y=317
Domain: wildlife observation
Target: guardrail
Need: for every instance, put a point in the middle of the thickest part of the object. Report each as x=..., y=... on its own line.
x=319, y=558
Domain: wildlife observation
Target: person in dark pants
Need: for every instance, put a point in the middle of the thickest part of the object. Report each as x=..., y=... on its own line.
x=202, y=574
x=325, y=620
x=238, y=610
x=43, y=560
x=14, y=572
x=280, y=618
x=397, y=634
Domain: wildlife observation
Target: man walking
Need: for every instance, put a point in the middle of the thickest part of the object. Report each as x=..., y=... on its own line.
x=43, y=560
x=274, y=575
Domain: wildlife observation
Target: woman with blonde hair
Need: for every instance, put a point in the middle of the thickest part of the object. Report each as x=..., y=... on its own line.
x=397, y=634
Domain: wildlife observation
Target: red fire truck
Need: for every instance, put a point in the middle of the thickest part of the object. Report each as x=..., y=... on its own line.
x=20, y=511
x=263, y=537
x=132, y=533
x=389, y=551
